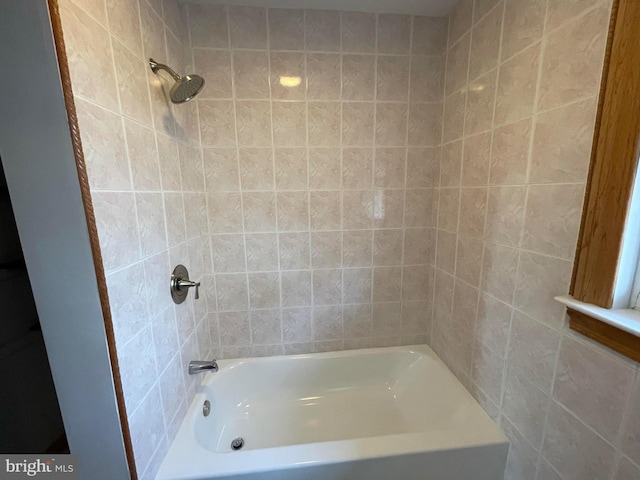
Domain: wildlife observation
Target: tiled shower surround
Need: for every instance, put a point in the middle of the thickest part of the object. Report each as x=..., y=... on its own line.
x=521, y=88
x=298, y=186
x=337, y=169
x=319, y=133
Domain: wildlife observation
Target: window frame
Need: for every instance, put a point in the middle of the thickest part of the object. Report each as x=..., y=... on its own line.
x=601, y=252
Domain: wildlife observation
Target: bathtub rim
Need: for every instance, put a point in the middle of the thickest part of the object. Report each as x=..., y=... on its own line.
x=188, y=460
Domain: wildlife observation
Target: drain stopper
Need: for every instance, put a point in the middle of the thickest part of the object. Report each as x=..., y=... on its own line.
x=237, y=443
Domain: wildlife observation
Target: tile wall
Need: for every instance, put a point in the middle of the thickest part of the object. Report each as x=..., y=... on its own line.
x=299, y=187
x=144, y=161
x=521, y=87
x=319, y=133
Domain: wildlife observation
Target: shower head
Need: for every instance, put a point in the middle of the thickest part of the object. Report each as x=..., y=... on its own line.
x=185, y=87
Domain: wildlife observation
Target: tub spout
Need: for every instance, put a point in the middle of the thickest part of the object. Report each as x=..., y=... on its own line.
x=196, y=366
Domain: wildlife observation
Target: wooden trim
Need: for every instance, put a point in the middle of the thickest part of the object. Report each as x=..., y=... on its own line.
x=613, y=164
x=83, y=179
x=608, y=335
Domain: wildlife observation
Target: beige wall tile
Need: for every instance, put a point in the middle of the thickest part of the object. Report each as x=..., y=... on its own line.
x=517, y=79
x=510, y=153
x=505, y=214
x=293, y=211
x=208, y=26
x=425, y=125
x=102, y=132
x=261, y=252
x=132, y=84
x=476, y=160
x=429, y=35
x=296, y=291
x=523, y=24
x=480, y=104
x=358, y=77
x=327, y=288
x=289, y=124
x=294, y=251
x=326, y=249
x=323, y=76
x=324, y=168
x=392, y=78
x=264, y=292
x=251, y=74
x=390, y=167
x=117, y=229
x=215, y=67
x=287, y=65
x=594, y=385
x=387, y=318
x=453, y=120
x=499, y=271
x=253, y=123
x=572, y=448
x=322, y=30
x=357, y=123
x=553, y=234
x=357, y=285
x=357, y=168
x=562, y=143
x=357, y=248
x=256, y=168
x=228, y=252
x=573, y=59
x=539, y=277
x=225, y=212
x=221, y=170
x=387, y=208
x=323, y=124
x=460, y=20
x=387, y=247
x=286, y=29
x=217, y=123
x=394, y=34
x=485, y=42
x=473, y=211
x=259, y=211
x=326, y=209
x=419, y=245
x=427, y=79
x=457, y=65
x=248, y=27
x=291, y=169
x=358, y=32
x=446, y=251
x=90, y=49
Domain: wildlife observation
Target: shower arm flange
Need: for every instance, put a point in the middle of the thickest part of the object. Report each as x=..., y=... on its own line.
x=155, y=67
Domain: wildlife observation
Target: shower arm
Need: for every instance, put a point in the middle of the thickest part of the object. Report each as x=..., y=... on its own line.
x=155, y=66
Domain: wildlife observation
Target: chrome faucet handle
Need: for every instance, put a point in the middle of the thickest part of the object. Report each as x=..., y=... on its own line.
x=180, y=285
x=188, y=284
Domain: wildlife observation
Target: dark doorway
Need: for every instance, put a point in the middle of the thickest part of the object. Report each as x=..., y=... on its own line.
x=30, y=419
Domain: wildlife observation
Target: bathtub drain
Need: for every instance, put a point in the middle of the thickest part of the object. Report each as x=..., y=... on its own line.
x=237, y=443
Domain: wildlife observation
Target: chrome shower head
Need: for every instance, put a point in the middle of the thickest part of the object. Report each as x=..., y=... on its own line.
x=185, y=87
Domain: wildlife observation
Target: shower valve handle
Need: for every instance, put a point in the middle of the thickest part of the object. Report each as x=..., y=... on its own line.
x=188, y=284
x=180, y=285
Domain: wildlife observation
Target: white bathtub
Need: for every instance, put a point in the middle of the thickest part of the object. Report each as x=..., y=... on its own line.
x=376, y=414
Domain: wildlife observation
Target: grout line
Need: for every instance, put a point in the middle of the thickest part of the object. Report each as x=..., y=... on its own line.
x=240, y=192
x=406, y=162
x=273, y=167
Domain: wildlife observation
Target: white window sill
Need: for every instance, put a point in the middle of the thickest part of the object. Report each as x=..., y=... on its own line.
x=625, y=319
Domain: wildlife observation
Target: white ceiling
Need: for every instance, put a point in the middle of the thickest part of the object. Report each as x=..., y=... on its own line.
x=435, y=8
